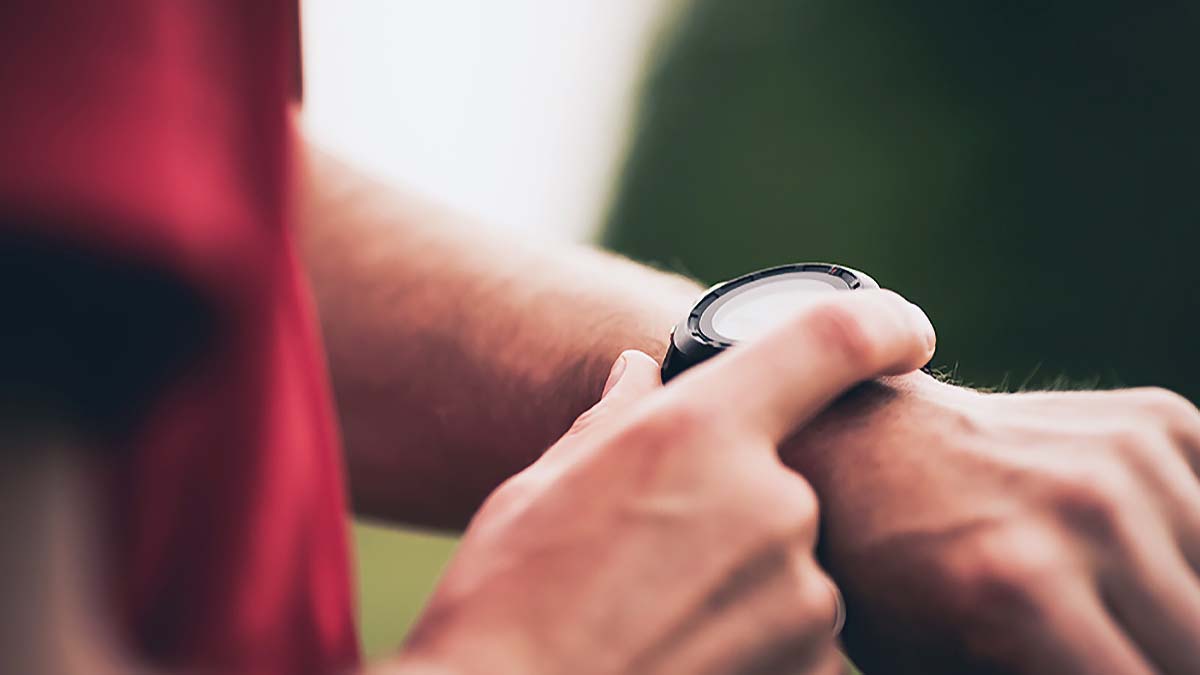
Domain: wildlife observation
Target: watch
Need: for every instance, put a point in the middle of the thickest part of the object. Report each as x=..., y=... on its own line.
x=748, y=306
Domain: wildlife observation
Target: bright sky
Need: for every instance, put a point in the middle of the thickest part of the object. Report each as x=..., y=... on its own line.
x=514, y=111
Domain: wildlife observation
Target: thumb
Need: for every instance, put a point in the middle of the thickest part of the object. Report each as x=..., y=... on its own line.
x=631, y=378
x=633, y=375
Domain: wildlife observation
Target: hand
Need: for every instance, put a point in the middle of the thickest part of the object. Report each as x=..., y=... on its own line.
x=1038, y=533
x=662, y=534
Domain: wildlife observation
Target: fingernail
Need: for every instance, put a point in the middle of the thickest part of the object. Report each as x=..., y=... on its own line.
x=614, y=375
x=925, y=326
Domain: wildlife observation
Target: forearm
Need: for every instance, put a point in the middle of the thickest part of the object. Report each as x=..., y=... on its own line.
x=458, y=354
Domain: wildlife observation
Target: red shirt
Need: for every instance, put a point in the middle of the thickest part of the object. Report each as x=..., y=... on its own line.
x=158, y=132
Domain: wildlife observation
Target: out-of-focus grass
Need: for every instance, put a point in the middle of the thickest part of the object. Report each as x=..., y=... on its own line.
x=396, y=572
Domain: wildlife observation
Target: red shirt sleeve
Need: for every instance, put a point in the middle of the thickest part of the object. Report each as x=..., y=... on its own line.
x=148, y=142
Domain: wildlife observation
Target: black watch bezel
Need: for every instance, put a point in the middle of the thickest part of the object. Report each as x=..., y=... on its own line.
x=690, y=344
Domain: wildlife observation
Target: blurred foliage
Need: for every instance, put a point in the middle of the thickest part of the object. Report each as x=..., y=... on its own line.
x=1026, y=172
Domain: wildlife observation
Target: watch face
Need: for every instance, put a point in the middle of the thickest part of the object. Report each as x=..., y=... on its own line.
x=759, y=306
x=749, y=306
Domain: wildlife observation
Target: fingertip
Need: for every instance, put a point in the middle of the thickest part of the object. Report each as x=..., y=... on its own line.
x=639, y=359
x=921, y=338
x=924, y=328
x=919, y=346
x=614, y=374
x=633, y=370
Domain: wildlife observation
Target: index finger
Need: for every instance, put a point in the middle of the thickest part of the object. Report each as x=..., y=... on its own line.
x=779, y=381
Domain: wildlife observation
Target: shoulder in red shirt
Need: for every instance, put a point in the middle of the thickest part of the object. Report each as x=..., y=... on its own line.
x=157, y=133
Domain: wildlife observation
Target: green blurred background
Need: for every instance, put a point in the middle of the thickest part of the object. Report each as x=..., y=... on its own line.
x=396, y=572
x=1027, y=172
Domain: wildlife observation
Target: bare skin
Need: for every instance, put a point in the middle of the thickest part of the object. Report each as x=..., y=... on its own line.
x=932, y=493
x=661, y=534
x=458, y=354
x=1040, y=532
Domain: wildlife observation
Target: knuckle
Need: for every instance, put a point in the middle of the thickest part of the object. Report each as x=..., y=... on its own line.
x=796, y=630
x=792, y=525
x=516, y=489
x=658, y=429
x=786, y=508
x=1136, y=450
x=839, y=330
x=816, y=602
x=803, y=597
x=788, y=530
x=1171, y=408
x=1089, y=498
x=1000, y=574
x=801, y=501
x=671, y=423
x=1132, y=441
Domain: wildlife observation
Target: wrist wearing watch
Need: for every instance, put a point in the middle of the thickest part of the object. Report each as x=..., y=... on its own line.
x=750, y=305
